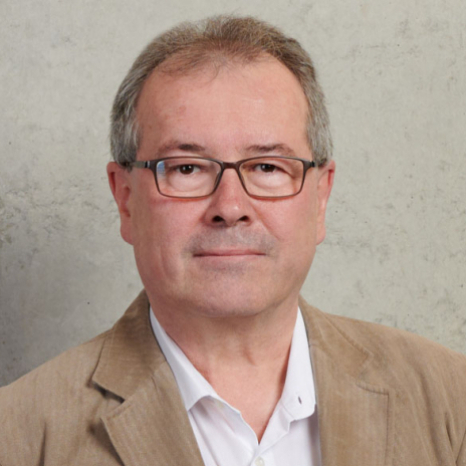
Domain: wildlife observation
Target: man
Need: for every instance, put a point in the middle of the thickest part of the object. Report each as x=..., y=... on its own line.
x=222, y=174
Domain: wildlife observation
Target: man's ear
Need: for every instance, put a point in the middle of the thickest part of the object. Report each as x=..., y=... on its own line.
x=325, y=178
x=119, y=180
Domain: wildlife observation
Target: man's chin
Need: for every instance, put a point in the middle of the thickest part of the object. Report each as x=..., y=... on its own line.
x=227, y=267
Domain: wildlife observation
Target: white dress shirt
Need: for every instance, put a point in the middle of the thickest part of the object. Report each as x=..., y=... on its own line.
x=224, y=438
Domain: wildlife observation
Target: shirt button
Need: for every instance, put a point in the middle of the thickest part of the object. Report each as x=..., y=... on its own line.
x=259, y=461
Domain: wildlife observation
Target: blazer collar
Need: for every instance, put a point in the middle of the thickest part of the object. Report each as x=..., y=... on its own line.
x=355, y=408
x=151, y=425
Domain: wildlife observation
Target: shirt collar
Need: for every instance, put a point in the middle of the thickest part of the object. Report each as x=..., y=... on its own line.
x=192, y=384
x=298, y=396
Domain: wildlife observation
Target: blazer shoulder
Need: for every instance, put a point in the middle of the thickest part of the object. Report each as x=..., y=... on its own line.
x=54, y=400
x=429, y=379
x=71, y=367
x=399, y=355
x=398, y=345
x=407, y=362
x=41, y=391
x=426, y=380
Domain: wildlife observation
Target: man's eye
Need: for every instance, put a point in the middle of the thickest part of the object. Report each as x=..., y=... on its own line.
x=266, y=168
x=187, y=169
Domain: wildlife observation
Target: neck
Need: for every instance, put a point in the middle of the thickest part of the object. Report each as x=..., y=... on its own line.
x=244, y=358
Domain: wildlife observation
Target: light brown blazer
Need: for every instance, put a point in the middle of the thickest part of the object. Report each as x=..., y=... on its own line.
x=384, y=397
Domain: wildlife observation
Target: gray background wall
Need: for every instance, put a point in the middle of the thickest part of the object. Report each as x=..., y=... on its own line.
x=394, y=74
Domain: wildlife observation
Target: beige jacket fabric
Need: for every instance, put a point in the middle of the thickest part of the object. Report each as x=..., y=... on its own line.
x=384, y=397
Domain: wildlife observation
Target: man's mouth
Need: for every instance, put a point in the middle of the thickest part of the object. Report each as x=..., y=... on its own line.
x=228, y=252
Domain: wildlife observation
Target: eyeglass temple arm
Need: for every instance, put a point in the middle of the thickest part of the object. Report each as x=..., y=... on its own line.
x=137, y=164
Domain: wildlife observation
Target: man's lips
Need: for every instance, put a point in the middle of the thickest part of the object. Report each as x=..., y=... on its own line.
x=228, y=253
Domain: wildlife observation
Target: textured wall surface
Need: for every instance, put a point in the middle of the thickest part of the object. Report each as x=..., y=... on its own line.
x=394, y=74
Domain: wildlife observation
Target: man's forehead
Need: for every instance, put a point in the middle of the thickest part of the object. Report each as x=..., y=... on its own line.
x=208, y=69
x=259, y=76
x=242, y=104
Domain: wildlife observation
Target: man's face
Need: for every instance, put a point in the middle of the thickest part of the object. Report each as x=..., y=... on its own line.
x=228, y=254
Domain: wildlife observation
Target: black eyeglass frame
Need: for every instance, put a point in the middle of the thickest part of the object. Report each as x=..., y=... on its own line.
x=152, y=165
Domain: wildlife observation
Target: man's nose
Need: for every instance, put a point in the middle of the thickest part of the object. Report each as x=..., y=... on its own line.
x=230, y=204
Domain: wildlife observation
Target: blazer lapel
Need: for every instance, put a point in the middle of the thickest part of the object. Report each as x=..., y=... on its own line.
x=151, y=425
x=355, y=412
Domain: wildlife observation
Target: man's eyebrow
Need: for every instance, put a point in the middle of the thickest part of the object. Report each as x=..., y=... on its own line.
x=179, y=146
x=279, y=149
x=254, y=149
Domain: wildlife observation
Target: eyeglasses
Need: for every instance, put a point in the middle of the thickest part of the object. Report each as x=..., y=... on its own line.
x=270, y=177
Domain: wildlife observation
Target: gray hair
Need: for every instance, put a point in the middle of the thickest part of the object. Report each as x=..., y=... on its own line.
x=217, y=41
